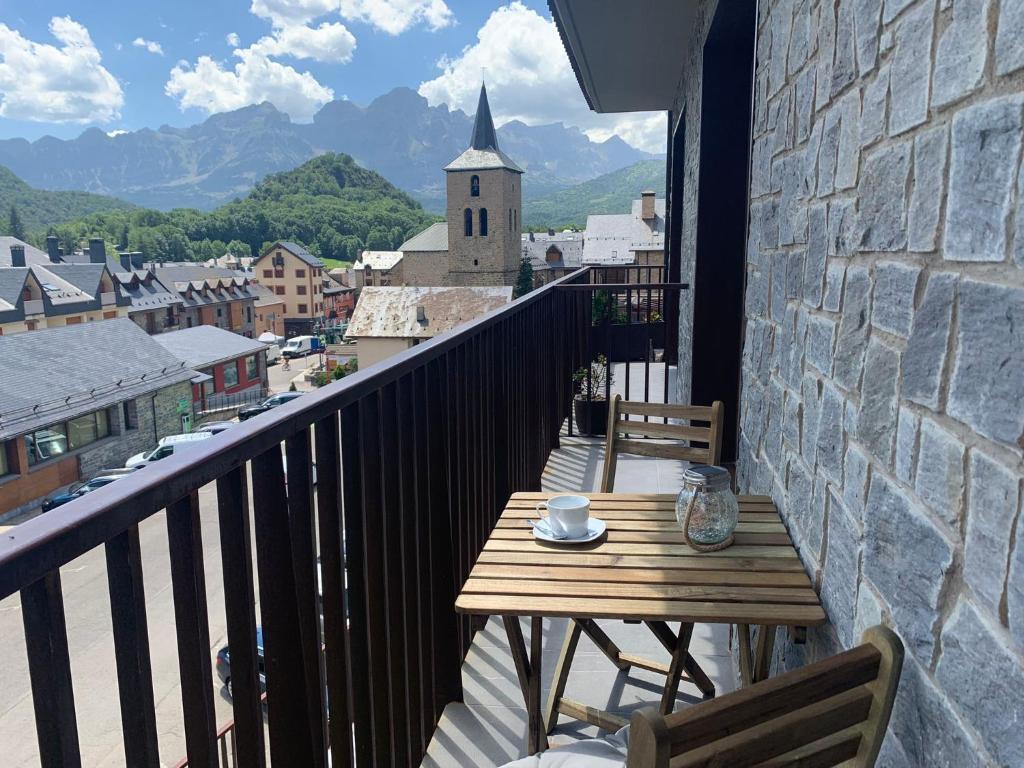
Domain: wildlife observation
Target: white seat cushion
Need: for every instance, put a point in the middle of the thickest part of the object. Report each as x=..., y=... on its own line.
x=609, y=752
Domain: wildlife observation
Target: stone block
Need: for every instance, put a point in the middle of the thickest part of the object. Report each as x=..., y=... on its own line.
x=821, y=334
x=984, y=678
x=757, y=293
x=1009, y=51
x=773, y=431
x=929, y=731
x=833, y=287
x=893, y=8
x=1015, y=586
x=792, y=210
x=992, y=502
x=791, y=421
x=814, y=257
x=841, y=571
x=908, y=561
x=981, y=181
x=925, y=356
x=855, y=479
x=892, y=309
x=1018, y=237
x=800, y=489
x=795, y=274
x=960, y=56
x=799, y=40
x=911, y=65
x=842, y=226
x=828, y=151
x=803, y=94
x=849, y=139
x=809, y=165
x=906, y=444
x=930, y=150
x=882, y=219
x=781, y=26
x=869, y=610
x=985, y=391
x=876, y=420
x=865, y=20
x=826, y=50
x=761, y=166
x=844, y=65
x=830, y=433
x=940, y=472
x=809, y=393
x=780, y=119
x=778, y=287
x=853, y=328
x=873, y=115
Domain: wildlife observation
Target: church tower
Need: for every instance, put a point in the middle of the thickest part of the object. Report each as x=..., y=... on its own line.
x=484, y=209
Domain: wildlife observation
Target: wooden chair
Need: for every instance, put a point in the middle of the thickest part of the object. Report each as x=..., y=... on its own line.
x=709, y=437
x=620, y=439
x=832, y=712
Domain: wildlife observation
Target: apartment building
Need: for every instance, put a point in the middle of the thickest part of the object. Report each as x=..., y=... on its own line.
x=296, y=276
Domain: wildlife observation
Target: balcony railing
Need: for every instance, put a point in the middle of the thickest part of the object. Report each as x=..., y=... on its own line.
x=414, y=459
x=107, y=298
x=33, y=306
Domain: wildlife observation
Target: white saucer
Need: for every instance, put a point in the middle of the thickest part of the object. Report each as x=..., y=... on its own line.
x=595, y=527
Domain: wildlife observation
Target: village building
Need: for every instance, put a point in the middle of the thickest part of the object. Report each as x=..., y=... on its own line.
x=635, y=239
x=210, y=296
x=294, y=274
x=269, y=309
x=552, y=255
x=378, y=268
x=387, y=321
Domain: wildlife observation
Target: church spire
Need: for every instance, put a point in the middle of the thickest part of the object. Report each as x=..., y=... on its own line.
x=484, y=136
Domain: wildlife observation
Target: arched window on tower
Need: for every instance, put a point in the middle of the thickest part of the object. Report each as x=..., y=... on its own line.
x=483, y=222
x=474, y=186
x=515, y=218
x=467, y=222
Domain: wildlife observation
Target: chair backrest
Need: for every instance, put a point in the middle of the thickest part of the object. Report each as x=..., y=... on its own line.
x=828, y=713
x=622, y=430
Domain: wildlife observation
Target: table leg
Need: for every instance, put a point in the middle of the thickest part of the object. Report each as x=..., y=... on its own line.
x=675, y=669
x=763, y=657
x=697, y=675
x=572, y=638
x=746, y=662
x=528, y=672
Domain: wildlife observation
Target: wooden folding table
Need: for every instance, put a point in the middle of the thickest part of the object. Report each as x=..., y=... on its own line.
x=640, y=570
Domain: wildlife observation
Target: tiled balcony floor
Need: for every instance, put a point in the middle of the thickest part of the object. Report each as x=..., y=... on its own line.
x=489, y=727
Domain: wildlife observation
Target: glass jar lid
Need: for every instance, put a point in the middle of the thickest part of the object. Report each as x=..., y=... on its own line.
x=707, y=477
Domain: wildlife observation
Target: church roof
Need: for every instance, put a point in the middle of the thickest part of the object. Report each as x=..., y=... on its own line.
x=483, y=153
x=433, y=238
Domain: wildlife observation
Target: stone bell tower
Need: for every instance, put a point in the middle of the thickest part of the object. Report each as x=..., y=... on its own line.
x=484, y=209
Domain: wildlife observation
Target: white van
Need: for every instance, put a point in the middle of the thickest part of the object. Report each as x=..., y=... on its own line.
x=300, y=346
x=167, y=446
x=273, y=353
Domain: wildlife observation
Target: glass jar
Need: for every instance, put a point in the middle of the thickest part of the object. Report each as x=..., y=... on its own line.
x=713, y=511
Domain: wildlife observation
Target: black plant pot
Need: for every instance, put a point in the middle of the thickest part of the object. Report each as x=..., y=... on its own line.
x=591, y=416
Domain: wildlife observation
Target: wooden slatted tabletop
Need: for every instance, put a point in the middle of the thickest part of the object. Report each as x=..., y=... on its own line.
x=641, y=569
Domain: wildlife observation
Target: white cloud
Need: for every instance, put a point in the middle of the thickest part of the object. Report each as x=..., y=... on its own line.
x=330, y=42
x=285, y=13
x=232, y=39
x=529, y=78
x=65, y=84
x=150, y=45
x=211, y=87
x=396, y=16
x=116, y=132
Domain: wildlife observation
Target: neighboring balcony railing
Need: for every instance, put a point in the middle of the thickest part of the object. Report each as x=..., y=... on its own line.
x=107, y=298
x=33, y=306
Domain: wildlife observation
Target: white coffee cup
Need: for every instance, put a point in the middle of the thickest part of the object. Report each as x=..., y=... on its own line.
x=567, y=515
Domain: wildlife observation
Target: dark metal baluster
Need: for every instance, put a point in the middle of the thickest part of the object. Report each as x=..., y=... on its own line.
x=291, y=740
x=355, y=574
x=421, y=533
x=188, y=583
x=329, y=516
x=240, y=611
x=303, y=545
x=131, y=649
x=49, y=668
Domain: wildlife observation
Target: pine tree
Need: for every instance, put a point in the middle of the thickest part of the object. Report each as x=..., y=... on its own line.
x=524, y=280
x=17, y=229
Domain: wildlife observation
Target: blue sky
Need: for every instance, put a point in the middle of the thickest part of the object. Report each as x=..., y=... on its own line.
x=128, y=64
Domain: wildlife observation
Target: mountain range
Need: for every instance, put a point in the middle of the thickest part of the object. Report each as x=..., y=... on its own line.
x=398, y=135
x=41, y=208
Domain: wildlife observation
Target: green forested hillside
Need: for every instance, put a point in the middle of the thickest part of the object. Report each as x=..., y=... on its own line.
x=611, y=193
x=43, y=208
x=330, y=204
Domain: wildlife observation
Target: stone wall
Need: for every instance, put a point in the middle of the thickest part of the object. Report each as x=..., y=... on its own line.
x=883, y=361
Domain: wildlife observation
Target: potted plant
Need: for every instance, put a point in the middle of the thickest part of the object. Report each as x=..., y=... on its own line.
x=590, y=406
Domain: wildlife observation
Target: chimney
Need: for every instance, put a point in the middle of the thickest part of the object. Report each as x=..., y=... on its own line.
x=126, y=261
x=531, y=237
x=421, y=314
x=17, y=255
x=138, y=260
x=53, y=248
x=97, y=251
x=647, y=205
x=551, y=233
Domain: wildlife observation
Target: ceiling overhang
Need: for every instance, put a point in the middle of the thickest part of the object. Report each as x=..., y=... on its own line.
x=627, y=56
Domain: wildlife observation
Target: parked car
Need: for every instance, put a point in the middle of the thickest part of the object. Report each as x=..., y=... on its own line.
x=223, y=664
x=80, y=489
x=262, y=407
x=300, y=346
x=216, y=427
x=273, y=353
x=167, y=446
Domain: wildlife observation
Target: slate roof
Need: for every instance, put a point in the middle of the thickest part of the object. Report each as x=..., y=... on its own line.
x=570, y=244
x=614, y=238
x=382, y=260
x=32, y=254
x=392, y=312
x=433, y=238
x=145, y=291
x=295, y=249
x=483, y=152
x=264, y=296
x=205, y=345
x=12, y=281
x=53, y=374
